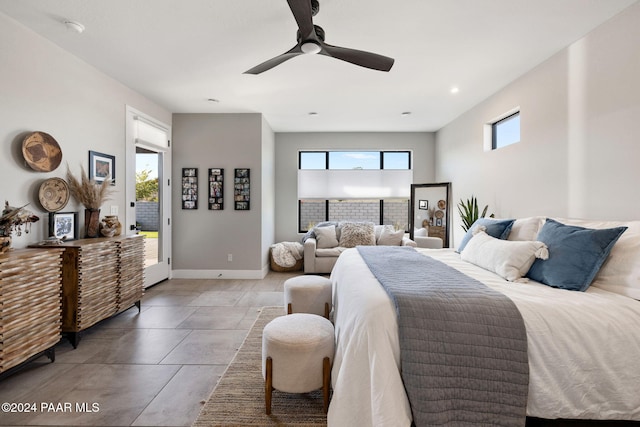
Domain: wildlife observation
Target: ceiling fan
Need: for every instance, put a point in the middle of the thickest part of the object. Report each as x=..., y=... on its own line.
x=311, y=40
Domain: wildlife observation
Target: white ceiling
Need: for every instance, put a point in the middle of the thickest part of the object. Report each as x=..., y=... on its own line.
x=179, y=53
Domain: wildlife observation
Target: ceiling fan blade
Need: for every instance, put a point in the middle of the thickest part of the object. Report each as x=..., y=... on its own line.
x=269, y=64
x=358, y=57
x=301, y=10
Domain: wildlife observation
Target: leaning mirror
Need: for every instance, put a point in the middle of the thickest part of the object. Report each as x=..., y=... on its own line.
x=430, y=210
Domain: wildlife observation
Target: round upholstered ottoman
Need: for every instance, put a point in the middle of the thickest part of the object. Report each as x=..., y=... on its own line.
x=308, y=294
x=297, y=351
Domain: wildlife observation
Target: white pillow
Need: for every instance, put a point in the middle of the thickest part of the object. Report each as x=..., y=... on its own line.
x=326, y=237
x=509, y=259
x=390, y=237
x=526, y=228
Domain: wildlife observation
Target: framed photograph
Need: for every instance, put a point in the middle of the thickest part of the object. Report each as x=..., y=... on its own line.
x=241, y=189
x=439, y=222
x=423, y=204
x=216, y=189
x=189, y=188
x=101, y=167
x=63, y=225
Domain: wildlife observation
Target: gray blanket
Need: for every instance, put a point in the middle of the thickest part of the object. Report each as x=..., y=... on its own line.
x=463, y=345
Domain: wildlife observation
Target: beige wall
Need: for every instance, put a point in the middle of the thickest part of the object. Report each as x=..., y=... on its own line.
x=421, y=144
x=44, y=88
x=580, y=133
x=203, y=239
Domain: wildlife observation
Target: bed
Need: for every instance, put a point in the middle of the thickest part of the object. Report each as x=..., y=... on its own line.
x=583, y=347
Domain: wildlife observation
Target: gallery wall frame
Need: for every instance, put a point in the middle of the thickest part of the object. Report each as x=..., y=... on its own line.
x=242, y=189
x=216, y=189
x=102, y=166
x=189, y=188
x=63, y=225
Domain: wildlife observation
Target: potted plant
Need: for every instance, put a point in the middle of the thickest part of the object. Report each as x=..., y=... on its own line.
x=91, y=195
x=469, y=212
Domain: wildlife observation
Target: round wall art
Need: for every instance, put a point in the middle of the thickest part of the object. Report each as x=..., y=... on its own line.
x=41, y=151
x=53, y=194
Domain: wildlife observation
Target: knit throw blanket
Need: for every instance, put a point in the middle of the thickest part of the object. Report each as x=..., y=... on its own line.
x=285, y=254
x=463, y=345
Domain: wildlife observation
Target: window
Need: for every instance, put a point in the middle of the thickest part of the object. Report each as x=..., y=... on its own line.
x=505, y=131
x=327, y=196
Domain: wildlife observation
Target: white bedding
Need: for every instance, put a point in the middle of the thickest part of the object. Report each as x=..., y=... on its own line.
x=584, y=348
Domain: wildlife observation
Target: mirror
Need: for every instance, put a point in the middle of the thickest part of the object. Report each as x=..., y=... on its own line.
x=430, y=209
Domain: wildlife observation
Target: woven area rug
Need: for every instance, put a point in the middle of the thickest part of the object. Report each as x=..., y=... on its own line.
x=238, y=399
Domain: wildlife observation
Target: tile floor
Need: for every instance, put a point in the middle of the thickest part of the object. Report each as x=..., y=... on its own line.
x=153, y=368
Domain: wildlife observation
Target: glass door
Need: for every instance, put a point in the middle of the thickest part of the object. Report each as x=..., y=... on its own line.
x=148, y=203
x=148, y=192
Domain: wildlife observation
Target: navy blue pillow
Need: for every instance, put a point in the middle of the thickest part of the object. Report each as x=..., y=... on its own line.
x=575, y=254
x=498, y=228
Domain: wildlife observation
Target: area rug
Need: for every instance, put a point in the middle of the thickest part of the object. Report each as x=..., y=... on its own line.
x=238, y=399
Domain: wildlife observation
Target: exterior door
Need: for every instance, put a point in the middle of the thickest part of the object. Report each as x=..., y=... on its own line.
x=148, y=191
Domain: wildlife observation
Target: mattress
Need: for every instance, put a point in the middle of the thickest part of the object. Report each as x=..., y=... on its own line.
x=583, y=348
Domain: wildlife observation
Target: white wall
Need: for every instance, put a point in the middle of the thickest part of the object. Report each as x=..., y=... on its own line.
x=202, y=239
x=289, y=144
x=268, y=190
x=580, y=135
x=44, y=88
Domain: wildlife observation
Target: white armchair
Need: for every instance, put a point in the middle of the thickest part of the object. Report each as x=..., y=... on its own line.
x=420, y=236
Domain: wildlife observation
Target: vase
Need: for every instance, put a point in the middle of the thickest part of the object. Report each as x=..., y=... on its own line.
x=92, y=222
x=112, y=222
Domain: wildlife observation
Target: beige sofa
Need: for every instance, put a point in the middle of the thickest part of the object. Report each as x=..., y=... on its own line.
x=324, y=244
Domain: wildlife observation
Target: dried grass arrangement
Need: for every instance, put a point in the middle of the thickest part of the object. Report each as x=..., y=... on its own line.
x=88, y=191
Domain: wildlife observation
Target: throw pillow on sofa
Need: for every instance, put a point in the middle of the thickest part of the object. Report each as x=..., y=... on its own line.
x=354, y=234
x=326, y=237
x=390, y=237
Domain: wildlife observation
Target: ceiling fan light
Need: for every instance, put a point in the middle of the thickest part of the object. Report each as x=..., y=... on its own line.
x=310, y=47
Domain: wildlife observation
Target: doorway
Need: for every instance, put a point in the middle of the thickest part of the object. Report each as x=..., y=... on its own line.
x=148, y=191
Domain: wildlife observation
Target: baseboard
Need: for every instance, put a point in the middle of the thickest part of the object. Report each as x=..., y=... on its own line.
x=220, y=274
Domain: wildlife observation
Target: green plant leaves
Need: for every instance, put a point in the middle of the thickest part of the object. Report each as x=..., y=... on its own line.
x=469, y=212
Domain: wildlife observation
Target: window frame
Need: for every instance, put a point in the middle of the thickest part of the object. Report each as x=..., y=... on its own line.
x=327, y=166
x=494, y=129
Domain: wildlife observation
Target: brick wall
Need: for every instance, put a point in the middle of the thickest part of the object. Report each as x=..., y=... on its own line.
x=147, y=215
x=395, y=211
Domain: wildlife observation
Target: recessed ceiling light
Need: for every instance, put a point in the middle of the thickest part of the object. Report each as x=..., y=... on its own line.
x=405, y=113
x=74, y=26
x=313, y=113
x=213, y=100
x=455, y=89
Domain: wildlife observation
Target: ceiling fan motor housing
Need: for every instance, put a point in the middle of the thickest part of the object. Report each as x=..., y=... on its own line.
x=319, y=32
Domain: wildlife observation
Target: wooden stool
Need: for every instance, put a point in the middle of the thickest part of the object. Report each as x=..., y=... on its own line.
x=297, y=351
x=308, y=294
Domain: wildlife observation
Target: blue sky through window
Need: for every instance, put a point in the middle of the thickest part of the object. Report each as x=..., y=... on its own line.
x=354, y=160
x=507, y=131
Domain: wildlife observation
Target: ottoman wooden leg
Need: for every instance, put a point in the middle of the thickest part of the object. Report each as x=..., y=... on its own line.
x=326, y=382
x=267, y=385
x=289, y=309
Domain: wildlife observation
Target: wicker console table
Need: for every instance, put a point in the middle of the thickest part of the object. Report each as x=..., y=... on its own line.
x=101, y=277
x=29, y=306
